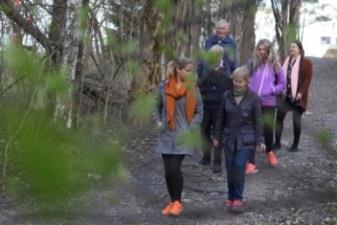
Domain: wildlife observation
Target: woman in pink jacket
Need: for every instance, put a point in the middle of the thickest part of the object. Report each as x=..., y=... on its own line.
x=267, y=81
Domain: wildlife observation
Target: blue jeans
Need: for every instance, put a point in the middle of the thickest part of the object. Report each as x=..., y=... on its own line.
x=235, y=166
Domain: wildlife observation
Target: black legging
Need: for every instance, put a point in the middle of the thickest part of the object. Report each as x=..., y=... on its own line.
x=173, y=175
x=282, y=110
x=268, y=121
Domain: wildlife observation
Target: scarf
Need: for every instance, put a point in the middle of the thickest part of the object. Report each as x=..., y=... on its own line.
x=172, y=94
x=239, y=93
x=294, y=74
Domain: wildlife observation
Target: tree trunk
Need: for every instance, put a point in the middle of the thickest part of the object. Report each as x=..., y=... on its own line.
x=77, y=81
x=286, y=14
x=242, y=27
x=150, y=42
x=9, y=9
x=57, y=28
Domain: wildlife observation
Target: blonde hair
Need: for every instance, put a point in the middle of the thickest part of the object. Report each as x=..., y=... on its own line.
x=272, y=58
x=179, y=63
x=243, y=72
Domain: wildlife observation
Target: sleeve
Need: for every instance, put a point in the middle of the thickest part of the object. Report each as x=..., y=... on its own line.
x=220, y=119
x=158, y=108
x=199, y=112
x=280, y=82
x=307, y=73
x=208, y=43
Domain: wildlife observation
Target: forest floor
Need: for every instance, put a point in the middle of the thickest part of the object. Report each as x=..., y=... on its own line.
x=301, y=190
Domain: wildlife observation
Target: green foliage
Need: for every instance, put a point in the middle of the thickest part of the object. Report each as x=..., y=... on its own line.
x=44, y=160
x=112, y=41
x=129, y=47
x=133, y=67
x=142, y=108
x=325, y=137
x=191, y=81
x=165, y=6
x=292, y=33
x=169, y=51
x=210, y=58
x=25, y=64
x=83, y=21
x=199, y=3
x=190, y=138
x=268, y=120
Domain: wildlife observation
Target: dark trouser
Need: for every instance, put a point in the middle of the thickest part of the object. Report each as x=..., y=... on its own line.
x=268, y=121
x=208, y=122
x=282, y=110
x=235, y=166
x=173, y=175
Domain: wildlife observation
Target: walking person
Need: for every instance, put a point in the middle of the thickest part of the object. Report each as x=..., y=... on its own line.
x=222, y=38
x=239, y=127
x=267, y=81
x=227, y=65
x=295, y=97
x=213, y=81
x=178, y=110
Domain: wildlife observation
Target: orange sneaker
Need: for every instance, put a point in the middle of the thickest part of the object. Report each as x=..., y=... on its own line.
x=166, y=210
x=272, y=160
x=176, y=208
x=228, y=203
x=251, y=168
x=237, y=206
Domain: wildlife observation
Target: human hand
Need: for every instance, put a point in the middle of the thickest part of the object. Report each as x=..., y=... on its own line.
x=298, y=97
x=159, y=124
x=261, y=147
x=215, y=143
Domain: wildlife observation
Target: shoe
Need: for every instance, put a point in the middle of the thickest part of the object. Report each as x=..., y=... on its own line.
x=204, y=161
x=251, y=168
x=166, y=210
x=176, y=209
x=228, y=203
x=293, y=149
x=277, y=145
x=216, y=169
x=237, y=206
x=272, y=160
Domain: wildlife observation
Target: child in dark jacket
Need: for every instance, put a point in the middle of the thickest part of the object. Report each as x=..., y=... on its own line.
x=239, y=127
x=213, y=81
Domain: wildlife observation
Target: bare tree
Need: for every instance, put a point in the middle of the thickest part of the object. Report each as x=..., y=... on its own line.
x=286, y=15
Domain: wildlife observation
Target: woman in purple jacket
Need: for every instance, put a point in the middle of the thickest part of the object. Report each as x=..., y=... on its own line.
x=267, y=81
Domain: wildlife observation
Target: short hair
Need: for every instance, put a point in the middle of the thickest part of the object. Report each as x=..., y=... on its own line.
x=217, y=49
x=242, y=71
x=222, y=22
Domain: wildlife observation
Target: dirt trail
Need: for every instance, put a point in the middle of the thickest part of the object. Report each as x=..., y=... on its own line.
x=301, y=190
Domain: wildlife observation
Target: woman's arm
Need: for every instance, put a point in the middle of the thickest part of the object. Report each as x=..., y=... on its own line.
x=280, y=82
x=306, y=80
x=199, y=111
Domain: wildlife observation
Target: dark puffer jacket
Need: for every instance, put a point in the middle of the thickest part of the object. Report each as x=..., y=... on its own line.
x=213, y=82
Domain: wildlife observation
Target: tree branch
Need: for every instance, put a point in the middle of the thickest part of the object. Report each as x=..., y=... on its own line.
x=9, y=9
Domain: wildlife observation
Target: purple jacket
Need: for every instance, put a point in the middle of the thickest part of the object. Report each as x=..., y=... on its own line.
x=267, y=83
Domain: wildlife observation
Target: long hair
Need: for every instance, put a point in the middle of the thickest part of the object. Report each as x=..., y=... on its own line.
x=272, y=58
x=300, y=46
x=179, y=63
